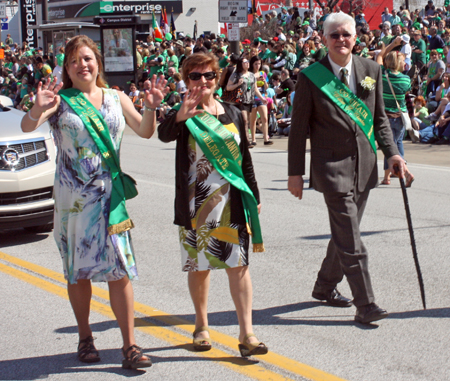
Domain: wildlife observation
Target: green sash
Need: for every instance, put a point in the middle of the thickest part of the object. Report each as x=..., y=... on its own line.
x=344, y=98
x=222, y=151
x=123, y=186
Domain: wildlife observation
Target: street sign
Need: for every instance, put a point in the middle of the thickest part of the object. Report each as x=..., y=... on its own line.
x=4, y=26
x=233, y=32
x=2, y=10
x=233, y=11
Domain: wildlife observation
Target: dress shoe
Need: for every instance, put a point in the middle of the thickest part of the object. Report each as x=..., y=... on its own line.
x=333, y=298
x=442, y=141
x=369, y=313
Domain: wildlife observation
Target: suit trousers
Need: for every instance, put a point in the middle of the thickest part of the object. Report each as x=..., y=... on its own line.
x=346, y=253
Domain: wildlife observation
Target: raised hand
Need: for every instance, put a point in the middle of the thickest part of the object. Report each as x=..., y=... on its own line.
x=189, y=106
x=158, y=90
x=47, y=94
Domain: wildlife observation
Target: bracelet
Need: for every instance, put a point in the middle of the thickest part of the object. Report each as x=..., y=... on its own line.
x=29, y=116
x=149, y=108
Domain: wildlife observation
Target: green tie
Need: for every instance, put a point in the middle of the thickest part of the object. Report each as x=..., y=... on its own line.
x=344, y=76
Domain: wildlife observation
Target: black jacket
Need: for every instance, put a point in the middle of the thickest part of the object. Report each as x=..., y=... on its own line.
x=169, y=131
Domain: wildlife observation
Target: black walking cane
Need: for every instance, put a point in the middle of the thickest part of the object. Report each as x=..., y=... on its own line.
x=413, y=241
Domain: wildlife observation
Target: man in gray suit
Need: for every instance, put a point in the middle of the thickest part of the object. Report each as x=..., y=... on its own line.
x=343, y=157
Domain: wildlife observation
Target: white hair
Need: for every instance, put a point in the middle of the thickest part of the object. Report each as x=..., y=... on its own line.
x=336, y=19
x=387, y=23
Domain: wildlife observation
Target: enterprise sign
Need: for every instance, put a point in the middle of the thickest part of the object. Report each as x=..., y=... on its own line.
x=28, y=18
x=101, y=8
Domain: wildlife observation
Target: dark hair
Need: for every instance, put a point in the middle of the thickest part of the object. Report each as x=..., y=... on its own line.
x=252, y=61
x=72, y=49
x=239, y=65
x=234, y=58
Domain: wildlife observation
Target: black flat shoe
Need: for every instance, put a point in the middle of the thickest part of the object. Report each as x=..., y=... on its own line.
x=369, y=313
x=333, y=298
x=268, y=143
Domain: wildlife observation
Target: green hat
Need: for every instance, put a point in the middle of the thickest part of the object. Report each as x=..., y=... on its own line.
x=305, y=23
x=222, y=36
x=158, y=39
x=417, y=25
x=291, y=32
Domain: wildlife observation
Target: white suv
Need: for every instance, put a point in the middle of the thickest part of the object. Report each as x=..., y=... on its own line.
x=27, y=171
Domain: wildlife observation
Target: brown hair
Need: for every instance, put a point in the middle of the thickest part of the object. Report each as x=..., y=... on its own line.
x=420, y=99
x=72, y=49
x=392, y=60
x=200, y=60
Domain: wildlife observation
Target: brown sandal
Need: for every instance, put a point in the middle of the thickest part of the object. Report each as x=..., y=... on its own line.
x=250, y=349
x=87, y=351
x=201, y=344
x=133, y=359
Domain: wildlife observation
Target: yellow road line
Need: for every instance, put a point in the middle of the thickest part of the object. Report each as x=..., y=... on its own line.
x=272, y=358
x=236, y=364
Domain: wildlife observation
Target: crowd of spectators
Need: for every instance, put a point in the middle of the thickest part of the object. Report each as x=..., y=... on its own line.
x=284, y=43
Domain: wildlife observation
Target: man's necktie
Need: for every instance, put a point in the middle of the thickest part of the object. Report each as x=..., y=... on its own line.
x=344, y=76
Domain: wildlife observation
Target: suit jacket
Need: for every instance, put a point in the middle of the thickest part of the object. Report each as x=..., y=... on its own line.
x=341, y=155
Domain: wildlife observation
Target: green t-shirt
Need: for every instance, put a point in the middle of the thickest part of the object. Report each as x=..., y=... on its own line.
x=155, y=69
x=423, y=112
x=223, y=63
x=321, y=53
x=419, y=57
x=267, y=54
x=401, y=83
x=174, y=59
x=165, y=57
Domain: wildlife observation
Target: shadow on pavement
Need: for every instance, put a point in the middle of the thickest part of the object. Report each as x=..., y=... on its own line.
x=16, y=237
x=40, y=367
x=34, y=368
x=368, y=233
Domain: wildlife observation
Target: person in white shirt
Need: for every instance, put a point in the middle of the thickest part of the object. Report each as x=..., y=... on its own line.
x=406, y=49
x=280, y=34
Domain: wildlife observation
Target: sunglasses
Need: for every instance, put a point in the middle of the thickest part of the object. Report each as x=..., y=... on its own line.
x=196, y=76
x=337, y=36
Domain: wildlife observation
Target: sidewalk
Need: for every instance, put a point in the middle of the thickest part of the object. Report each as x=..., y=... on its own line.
x=414, y=153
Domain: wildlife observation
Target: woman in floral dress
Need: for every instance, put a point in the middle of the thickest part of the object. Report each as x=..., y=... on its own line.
x=83, y=192
x=209, y=210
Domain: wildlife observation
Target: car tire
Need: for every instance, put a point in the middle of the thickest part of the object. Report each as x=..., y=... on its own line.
x=40, y=228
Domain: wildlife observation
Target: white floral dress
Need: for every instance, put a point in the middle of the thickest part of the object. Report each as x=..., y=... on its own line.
x=82, y=192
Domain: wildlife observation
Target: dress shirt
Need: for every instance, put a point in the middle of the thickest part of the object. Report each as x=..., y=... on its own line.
x=351, y=75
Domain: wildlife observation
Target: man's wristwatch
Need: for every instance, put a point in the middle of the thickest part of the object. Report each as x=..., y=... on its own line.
x=149, y=108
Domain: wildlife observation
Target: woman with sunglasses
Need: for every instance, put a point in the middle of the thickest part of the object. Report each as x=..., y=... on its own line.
x=215, y=190
x=244, y=79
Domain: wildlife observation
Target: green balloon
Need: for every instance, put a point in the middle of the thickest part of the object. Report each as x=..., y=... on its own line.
x=168, y=36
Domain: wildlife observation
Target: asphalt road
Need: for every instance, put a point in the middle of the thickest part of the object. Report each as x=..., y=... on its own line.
x=307, y=339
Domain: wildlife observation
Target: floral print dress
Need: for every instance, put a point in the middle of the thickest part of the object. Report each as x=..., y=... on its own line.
x=82, y=192
x=214, y=242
